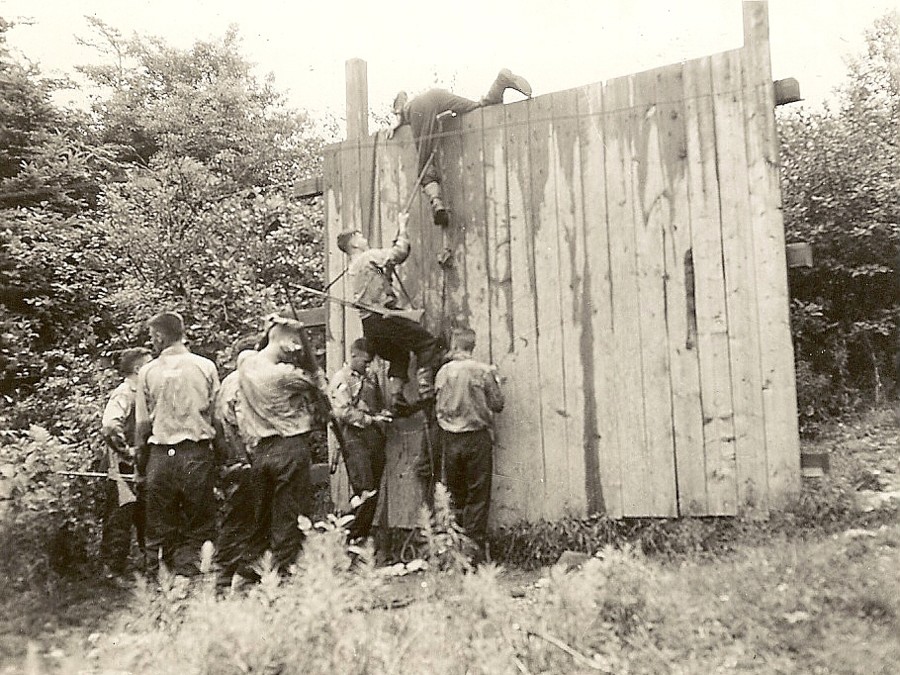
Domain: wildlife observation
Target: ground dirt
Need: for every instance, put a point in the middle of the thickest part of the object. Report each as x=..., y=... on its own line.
x=62, y=618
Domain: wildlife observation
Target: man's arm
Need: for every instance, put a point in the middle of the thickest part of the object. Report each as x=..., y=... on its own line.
x=112, y=428
x=142, y=425
x=493, y=395
x=399, y=252
x=342, y=403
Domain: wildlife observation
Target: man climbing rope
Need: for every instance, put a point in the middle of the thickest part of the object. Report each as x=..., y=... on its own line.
x=421, y=114
x=370, y=273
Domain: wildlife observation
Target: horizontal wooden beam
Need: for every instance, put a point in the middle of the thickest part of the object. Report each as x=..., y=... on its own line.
x=309, y=187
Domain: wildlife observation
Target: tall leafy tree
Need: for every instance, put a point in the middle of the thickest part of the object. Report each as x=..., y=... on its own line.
x=841, y=182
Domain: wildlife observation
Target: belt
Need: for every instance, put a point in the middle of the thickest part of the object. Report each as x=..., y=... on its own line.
x=182, y=447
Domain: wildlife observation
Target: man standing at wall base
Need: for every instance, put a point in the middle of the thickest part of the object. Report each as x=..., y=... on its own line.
x=174, y=435
x=468, y=395
x=124, y=506
x=275, y=408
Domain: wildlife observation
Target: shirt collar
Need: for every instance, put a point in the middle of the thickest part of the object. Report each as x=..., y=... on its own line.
x=177, y=348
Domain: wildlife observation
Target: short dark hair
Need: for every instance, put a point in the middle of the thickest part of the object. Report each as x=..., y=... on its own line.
x=463, y=338
x=343, y=240
x=360, y=345
x=129, y=357
x=169, y=324
x=400, y=101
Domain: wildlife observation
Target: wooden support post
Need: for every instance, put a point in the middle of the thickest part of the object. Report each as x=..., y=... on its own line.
x=357, y=99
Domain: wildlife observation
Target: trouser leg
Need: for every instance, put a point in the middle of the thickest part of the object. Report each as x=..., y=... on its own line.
x=478, y=471
x=454, y=471
x=163, y=512
x=115, y=542
x=234, y=548
x=287, y=463
x=198, y=503
x=364, y=457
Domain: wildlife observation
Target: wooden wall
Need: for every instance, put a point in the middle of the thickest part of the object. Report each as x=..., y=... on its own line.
x=619, y=250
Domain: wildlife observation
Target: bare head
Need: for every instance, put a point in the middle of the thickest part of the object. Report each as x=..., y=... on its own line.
x=166, y=328
x=360, y=355
x=282, y=335
x=350, y=241
x=400, y=101
x=132, y=360
x=462, y=340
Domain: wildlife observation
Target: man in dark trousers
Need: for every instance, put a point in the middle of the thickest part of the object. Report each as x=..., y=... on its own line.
x=124, y=506
x=275, y=414
x=468, y=395
x=393, y=338
x=174, y=434
x=421, y=114
x=359, y=406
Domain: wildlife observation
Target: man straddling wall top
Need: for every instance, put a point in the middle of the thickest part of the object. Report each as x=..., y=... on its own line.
x=391, y=337
x=421, y=114
x=358, y=404
x=274, y=412
x=174, y=433
x=124, y=506
x=468, y=395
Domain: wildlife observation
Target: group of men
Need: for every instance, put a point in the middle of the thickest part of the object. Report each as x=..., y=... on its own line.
x=185, y=433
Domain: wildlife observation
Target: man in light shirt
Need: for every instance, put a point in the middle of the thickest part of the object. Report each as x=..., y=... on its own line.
x=174, y=433
x=275, y=407
x=468, y=395
x=124, y=506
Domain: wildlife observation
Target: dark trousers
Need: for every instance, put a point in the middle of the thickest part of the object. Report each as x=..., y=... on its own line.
x=423, y=112
x=282, y=493
x=393, y=338
x=237, y=525
x=364, y=459
x=468, y=464
x=181, y=506
x=115, y=542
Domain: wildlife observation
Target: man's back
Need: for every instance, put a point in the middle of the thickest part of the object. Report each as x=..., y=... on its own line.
x=175, y=394
x=467, y=395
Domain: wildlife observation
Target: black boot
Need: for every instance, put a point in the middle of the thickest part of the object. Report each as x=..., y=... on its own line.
x=438, y=210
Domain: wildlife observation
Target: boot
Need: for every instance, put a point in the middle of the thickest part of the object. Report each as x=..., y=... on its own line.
x=425, y=380
x=505, y=80
x=397, y=402
x=433, y=192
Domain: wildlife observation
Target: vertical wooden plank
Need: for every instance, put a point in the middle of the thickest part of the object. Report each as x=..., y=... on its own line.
x=574, y=321
x=651, y=211
x=521, y=368
x=357, y=97
x=554, y=410
x=626, y=325
x=453, y=186
x=740, y=284
x=720, y=497
x=470, y=218
x=687, y=417
x=777, y=358
x=352, y=215
x=335, y=263
x=600, y=383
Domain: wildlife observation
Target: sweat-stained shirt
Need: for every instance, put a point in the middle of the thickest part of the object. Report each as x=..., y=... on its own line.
x=225, y=418
x=175, y=394
x=275, y=399
x=118, y=415
x=467, y=395
x=370, y=274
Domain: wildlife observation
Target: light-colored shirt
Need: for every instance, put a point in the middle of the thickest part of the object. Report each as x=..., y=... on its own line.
x=175, y=395
x=225, y=417
x=467, y=394
x=370, y=275
x=118, y=415
x=355, y=397
x=275, y=399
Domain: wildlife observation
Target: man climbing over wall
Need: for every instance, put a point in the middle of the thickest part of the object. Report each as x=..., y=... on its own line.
x=422, y=115
x=468, y=395
x=393, y=338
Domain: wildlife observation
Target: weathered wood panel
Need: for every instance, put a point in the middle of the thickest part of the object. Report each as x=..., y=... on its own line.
x=776, y=355
x=740, y=293
x=525, y=434
x=565, y=156
x=718, y=450
x=601, y=413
